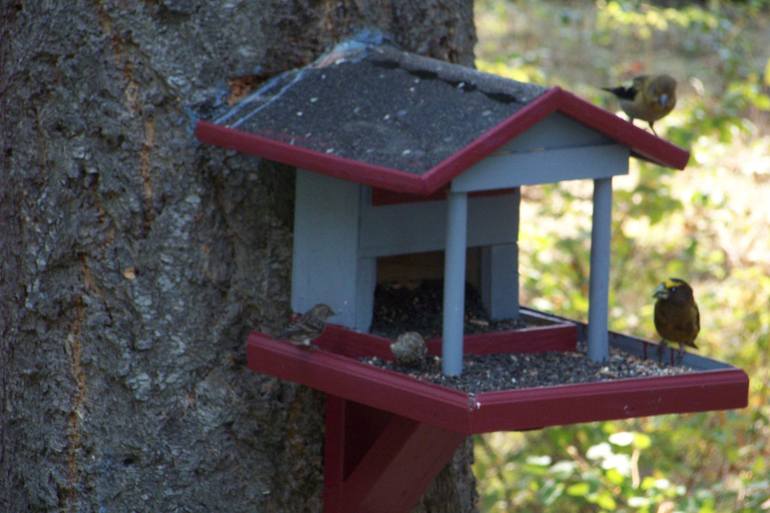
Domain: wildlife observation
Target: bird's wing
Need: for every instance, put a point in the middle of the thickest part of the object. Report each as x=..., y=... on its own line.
x=623, y=93
x=696, y=323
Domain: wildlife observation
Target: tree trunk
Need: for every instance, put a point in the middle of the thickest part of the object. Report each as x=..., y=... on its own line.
x=133, y=261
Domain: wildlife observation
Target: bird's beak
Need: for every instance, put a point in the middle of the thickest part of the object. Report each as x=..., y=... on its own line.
x=661, y=292
x=663, y=99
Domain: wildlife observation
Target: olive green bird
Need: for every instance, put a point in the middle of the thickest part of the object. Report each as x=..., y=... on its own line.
x=649, y=97
x=677, y=318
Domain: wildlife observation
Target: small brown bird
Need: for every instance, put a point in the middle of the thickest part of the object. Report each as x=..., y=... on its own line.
x=676, y=315
x=308, y=326
x=650, y=97
x=409, y=349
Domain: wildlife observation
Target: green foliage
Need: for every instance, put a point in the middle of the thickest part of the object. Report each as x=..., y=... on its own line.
x=707, y=224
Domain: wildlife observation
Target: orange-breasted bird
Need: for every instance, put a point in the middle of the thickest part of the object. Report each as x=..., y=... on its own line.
x=677, y=318
x=650, y=97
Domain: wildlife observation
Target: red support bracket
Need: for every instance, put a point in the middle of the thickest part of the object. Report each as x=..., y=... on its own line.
x=379, y=462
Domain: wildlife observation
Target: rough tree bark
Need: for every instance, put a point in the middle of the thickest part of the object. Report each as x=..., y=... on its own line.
x=133, y=261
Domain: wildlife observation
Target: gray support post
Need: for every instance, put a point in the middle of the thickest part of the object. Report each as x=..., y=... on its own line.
x=366, y=281
x=500, y=270
x=454, y=284
x=598, y=300
x=325, y=267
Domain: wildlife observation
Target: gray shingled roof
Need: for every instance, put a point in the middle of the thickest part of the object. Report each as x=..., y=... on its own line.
x=380, y=105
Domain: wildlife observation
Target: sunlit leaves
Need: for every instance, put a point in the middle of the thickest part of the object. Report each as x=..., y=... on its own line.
x=708, y=224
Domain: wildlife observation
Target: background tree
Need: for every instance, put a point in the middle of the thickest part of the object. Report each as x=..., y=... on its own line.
x=133, y=262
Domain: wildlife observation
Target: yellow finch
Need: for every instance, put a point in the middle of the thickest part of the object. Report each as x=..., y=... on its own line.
x=308, y=326
x=650, y=97
x=676, y=314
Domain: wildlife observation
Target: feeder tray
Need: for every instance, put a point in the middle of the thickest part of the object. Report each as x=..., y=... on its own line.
x=388, y=434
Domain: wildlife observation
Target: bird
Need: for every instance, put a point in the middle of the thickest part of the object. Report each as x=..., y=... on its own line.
x=650, y=97
x=308, y=326
x=409, y=349
x=677, y=318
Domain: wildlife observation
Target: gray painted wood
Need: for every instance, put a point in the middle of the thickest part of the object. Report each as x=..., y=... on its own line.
x=555, y=131
x=454, y=284
x=538, y=167
x=325, y=253
x=500, y=272
x=601, y=231
x=417, y=227
x=636, y=347
x=334, y=254
x=500, y=280
x=366, y=281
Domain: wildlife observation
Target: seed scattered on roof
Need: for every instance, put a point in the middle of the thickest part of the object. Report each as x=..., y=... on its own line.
x=412, y=89
x=313, y=99
x=416, y=80
x=461, y=85
x=406, y=152
x=486, y=113
x=386, y=117
x=299, y=113
x=330, y=150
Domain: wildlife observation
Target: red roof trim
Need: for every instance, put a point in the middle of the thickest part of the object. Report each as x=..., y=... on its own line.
x=331, y=165
x=641, y=143
x=491, y=140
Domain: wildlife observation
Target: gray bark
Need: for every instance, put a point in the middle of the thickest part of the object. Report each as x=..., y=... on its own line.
x=133, y=261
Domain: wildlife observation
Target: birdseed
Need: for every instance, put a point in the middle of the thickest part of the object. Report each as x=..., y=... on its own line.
x=509, y=371
x=400, y=308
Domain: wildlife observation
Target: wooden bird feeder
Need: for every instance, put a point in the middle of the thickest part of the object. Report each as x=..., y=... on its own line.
x=400, y=154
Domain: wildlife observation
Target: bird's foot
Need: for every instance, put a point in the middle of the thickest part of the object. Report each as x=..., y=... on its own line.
x=681, y=355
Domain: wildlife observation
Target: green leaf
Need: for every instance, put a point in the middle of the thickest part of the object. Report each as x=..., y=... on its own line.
x=578, y=489
x=605, y=501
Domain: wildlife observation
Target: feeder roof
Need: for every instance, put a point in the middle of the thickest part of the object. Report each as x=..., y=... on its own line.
x=374, y=114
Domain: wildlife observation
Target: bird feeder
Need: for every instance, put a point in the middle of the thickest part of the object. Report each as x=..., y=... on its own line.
x=399, y=154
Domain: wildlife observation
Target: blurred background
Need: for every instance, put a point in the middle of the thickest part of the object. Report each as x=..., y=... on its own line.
x=708, y=224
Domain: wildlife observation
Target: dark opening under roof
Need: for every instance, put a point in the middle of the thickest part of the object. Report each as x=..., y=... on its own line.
x=374, y=114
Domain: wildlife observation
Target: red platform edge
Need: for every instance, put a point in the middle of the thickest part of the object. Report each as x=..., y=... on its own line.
x=333, y=368
x=642, y=144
